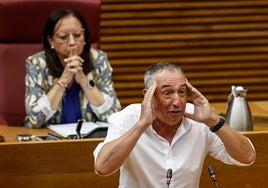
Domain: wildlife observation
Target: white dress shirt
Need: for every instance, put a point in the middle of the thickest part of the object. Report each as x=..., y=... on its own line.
x=152, y=156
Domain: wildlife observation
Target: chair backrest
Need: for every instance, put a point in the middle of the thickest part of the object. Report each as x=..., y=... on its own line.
x=21, y=27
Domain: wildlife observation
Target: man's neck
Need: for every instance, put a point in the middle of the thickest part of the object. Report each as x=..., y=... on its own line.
x=165, y=130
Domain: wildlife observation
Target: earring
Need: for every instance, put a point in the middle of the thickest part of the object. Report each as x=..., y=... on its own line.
x=52, y=47
x=84, y=43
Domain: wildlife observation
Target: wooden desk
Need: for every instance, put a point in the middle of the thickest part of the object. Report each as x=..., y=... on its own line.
x=10, y=132
x=59, y=163
x=69, y=163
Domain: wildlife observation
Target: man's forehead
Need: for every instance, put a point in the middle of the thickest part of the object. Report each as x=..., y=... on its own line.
x=169, y=76
x=176, y=85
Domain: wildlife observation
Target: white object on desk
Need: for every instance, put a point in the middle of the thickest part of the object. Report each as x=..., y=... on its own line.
x=69, y=129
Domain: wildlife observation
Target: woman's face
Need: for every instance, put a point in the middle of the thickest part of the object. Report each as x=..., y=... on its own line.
x=68, y=38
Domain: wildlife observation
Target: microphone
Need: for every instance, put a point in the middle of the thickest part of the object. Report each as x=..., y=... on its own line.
x=212, y=175
x=169, y=176
x=78, y=128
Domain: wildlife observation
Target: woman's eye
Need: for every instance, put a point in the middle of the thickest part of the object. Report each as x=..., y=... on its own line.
x=64, y=37
x=77, y=35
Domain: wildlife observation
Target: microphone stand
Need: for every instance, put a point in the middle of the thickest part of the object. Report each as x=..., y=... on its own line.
x=213, y=176
x=216, y=184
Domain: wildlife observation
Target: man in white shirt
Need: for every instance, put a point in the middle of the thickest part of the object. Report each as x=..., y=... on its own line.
x=165, y=132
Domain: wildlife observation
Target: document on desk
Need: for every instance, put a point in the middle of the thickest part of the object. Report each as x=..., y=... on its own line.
x=68, y=130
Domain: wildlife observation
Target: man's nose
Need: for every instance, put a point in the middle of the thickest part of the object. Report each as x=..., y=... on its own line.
x=176, y=99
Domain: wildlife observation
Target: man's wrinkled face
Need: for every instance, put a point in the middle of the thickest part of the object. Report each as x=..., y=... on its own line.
x=170, y=97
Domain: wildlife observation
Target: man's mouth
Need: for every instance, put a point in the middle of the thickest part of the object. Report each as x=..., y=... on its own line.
x=175, y=111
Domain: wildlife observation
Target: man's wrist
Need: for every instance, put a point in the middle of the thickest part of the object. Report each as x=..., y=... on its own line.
x=220, y=123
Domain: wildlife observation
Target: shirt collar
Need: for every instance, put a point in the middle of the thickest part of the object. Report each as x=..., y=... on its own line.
x=184, y=127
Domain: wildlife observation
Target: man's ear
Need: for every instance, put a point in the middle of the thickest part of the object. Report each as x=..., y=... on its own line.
x=144, y=91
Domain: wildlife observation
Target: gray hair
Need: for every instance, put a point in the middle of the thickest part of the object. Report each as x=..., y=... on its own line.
x=158, y=67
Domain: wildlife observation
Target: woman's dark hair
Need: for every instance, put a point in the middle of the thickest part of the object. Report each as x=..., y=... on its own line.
x=54, y=65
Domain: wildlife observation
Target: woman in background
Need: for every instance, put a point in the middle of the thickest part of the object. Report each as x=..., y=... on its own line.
x=68, y=80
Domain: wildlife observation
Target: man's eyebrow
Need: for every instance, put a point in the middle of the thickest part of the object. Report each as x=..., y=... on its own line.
x=167, y=86
x=183, y=85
